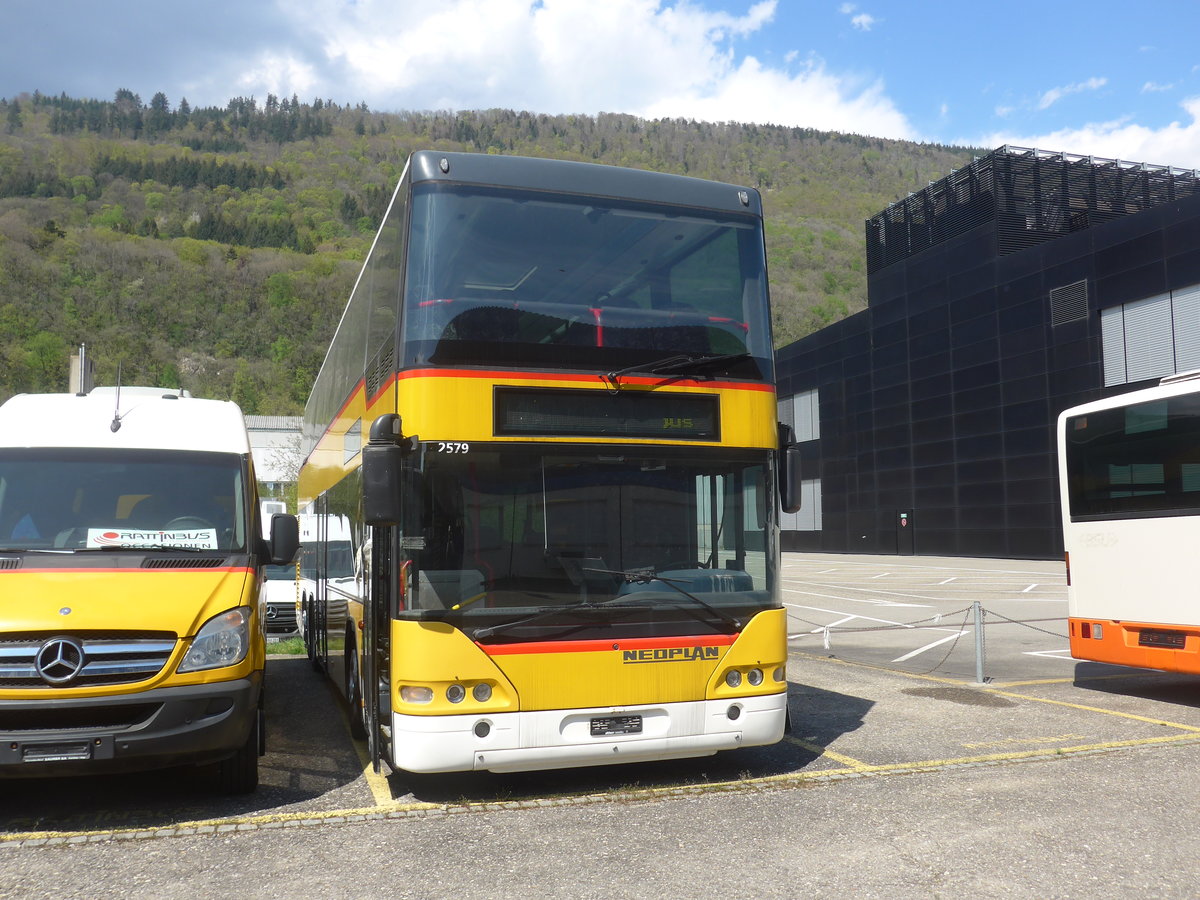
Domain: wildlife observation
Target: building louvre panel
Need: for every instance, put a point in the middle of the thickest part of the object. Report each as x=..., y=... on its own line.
x=1185, y=312
x=1069, y=303
x=1032, y=195
x=1112, y=339
x=1149, y=349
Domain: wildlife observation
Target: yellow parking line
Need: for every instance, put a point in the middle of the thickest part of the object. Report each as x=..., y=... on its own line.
x=1097, y=709
x=855, y=764
x=376, y=781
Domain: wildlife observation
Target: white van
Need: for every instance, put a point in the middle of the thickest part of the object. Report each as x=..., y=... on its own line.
x=131, y=569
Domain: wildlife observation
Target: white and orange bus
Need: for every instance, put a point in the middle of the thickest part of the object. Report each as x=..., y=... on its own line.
x=547, y=422
x=1129, y=473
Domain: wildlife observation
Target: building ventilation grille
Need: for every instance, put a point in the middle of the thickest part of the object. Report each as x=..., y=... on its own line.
x=1069, y=303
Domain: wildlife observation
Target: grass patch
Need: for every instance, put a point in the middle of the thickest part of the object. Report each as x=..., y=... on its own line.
x=291, y=646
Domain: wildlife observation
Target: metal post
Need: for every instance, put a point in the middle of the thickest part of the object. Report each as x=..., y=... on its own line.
x=977, y=608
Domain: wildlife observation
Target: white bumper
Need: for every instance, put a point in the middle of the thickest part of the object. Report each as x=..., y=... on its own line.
x=557, y=739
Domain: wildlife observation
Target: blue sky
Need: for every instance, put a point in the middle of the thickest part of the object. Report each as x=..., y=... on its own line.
x=1099, y=78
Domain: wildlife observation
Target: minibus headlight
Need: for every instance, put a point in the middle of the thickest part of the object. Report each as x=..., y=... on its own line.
x=223, y=640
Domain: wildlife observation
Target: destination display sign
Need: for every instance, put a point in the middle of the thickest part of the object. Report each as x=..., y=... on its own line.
x=626, y=413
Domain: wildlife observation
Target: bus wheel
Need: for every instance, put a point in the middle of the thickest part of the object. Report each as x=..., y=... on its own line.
x=239, y=773
x=358, y=729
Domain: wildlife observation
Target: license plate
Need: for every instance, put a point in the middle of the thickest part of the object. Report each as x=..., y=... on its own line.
x=611, y=725
x=65, y=752
x=1173, y=640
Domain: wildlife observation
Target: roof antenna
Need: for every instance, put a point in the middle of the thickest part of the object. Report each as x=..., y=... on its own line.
x=115, y=425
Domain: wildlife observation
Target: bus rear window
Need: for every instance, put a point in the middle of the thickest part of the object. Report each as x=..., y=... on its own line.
x=1134, y=461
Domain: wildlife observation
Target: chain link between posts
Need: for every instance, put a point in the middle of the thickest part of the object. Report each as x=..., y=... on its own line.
x=826, y=631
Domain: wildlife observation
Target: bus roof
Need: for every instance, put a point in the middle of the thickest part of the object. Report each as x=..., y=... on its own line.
x=582, y=178
x=149, y=419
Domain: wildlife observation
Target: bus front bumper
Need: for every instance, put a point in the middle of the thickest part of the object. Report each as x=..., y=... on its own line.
x=557, y=739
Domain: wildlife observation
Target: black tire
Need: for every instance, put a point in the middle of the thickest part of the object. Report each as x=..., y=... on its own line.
x=239, y=773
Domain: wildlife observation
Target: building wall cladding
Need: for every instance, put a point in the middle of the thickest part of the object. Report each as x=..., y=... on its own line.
x=939, y=401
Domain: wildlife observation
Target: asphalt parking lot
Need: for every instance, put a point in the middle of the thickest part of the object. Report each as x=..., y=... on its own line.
x=903, y=775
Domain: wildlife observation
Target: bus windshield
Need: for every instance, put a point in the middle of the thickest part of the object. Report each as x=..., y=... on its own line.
x=97, y=499
x=510, y=277
x=508, y=532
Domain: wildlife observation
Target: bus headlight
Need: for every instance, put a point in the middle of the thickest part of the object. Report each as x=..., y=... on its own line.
x=755, y=677
x=482, y=692
x=222, y=641
x=733, y=678
x=455, y=693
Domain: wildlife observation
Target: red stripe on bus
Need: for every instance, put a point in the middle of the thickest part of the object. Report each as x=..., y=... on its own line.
x=715, y=640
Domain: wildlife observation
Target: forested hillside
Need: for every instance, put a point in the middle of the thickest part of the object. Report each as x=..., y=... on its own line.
x=214, y=248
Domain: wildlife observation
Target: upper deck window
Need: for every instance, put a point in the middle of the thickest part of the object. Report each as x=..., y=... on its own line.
x=508, y=277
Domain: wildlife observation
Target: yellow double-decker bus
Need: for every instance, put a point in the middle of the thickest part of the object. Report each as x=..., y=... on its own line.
x=546, y=428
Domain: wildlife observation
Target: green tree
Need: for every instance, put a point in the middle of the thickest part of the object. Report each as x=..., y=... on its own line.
x=13, y=119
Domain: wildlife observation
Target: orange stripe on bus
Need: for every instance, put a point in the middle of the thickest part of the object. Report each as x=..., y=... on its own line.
x=71, y=570
x=592, y=378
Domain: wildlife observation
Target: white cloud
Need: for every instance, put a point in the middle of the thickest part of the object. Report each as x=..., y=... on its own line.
x=653, y=58
x=1153, y=87
x=863, y=21
x=1176, y=144
x=278, y=75
x=1053, y=95
x=814, y=98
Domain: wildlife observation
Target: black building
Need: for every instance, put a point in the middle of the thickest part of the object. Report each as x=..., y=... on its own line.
x=1020, y=285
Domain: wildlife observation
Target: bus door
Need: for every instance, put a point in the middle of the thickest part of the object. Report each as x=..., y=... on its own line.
x=384, y=591
x=320, y=589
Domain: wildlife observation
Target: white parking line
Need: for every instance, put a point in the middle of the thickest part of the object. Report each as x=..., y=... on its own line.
x=920, y=650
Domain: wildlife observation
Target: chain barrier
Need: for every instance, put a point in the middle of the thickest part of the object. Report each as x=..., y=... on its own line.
x=981, y=614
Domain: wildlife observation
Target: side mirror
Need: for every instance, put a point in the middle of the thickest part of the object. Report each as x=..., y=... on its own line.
x=285, y=539
x=789, y=476
x=382, y=458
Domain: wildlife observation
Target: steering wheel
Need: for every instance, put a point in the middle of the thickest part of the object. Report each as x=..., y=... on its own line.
x=187, y=522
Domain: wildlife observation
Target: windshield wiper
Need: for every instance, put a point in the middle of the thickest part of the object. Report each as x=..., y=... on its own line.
x=492, y=630
x=680, y=362
x=645, y=576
